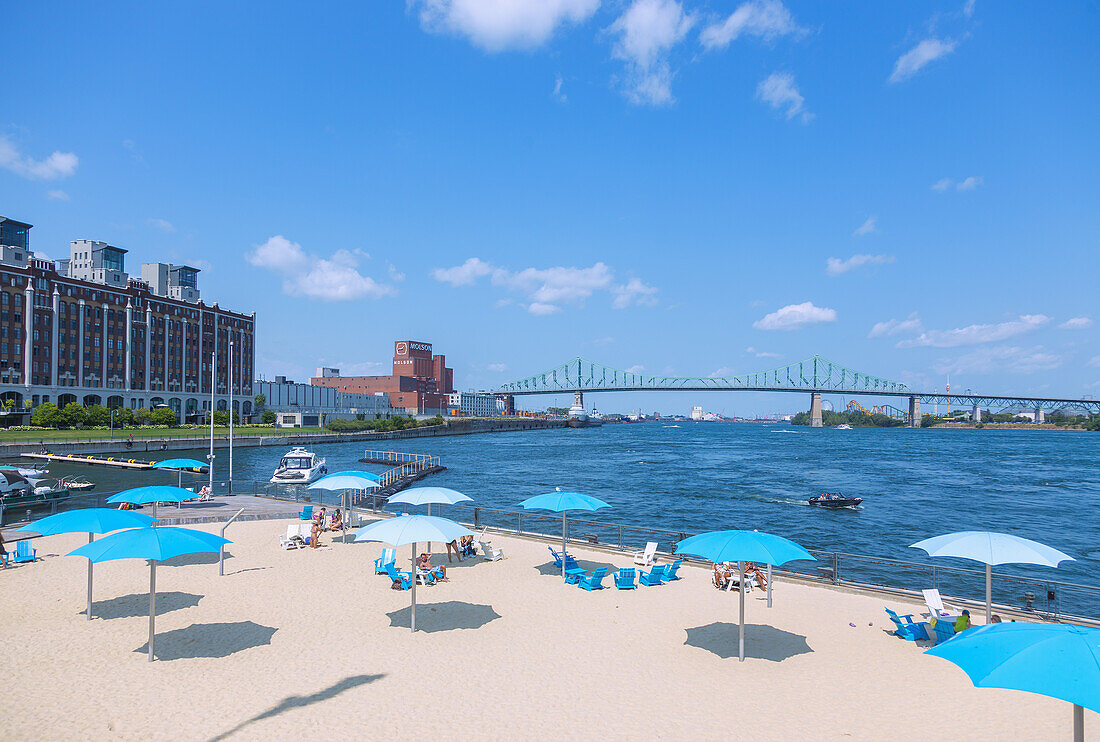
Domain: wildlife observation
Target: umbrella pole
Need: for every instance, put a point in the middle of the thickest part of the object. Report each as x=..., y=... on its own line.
x=741, y=638
x=769, y=586
x=563, y=545
x=988, y=594
x=1078, y=723
x=91, y=538
x=152, y=603
x=412, y=615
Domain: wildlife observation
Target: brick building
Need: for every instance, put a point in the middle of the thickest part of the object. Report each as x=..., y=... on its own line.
x=420, y=382
x=82, y=330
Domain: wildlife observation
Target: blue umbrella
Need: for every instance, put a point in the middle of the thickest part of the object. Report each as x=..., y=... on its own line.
x=154, y=544
x=991, y=548
x=428, y=496
x=740, y=547
x=179, y=465
x=354, y=473
x=1057, y=660
x=560, y=502
x=153, y=494
x=90, y=521
x=412, y=529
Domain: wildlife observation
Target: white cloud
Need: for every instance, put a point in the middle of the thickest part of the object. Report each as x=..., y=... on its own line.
x=497, y=367
x=603, y=341
x=541, y=309
x=496, y=25
x=836, y=266
x=57, y=165
x=546, y=289
x=919, y=56
x=970, y=183
x=968, y=8
x=761, y=354
x=465, y=274
x=765, y=19
x=942, y=184
x=795, y=317
x=977, y=334
x=1001, y=358
x=646, y=32
x=635, y=369
x=329, y=279
x=57, y=195
x=779, y=91
x=633, y=291
x=558, y=94
x=162, y=224
x=723, y=371
x=868, y=227
x=896, y=327
x=395, y=275
x=1095, y=361
x=1076, y=323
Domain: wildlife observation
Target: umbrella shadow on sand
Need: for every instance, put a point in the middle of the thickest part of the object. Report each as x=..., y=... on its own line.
x=199, y=557
x=447, y=616
x=293, y=702
x=131, y=606
x=761, y=642
x=208, y=639
x=552, y=569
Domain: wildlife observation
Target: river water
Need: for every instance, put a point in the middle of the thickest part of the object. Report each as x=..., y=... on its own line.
x=695, y=477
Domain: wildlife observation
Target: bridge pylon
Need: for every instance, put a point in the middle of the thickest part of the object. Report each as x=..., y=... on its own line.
x=578, y=399
x=815, y=410
x=914, y=412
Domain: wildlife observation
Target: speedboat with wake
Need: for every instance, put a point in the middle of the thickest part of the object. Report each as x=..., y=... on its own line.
x=834, y=500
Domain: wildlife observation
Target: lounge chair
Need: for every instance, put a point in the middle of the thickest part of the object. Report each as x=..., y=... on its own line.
x=935, y=604
x=24, y=552
x=389, y=556
x=489, y=553
x=624, y=579
x=906, y=628
x=942, y=630
x=671, y=570
x=570, y=560
x=306, y=513
x=291, y=540
x=647, y=557
x=403, y=578
x=305, y=532
x=653, y=577
x=593, y=581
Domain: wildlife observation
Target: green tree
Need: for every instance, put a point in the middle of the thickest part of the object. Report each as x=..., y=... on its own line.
x=259, y=400
x=142, y=415
x=268, y=418
x=47, y=415
x=124, y=416
x=164, y=416
x=97, y=414
x=72, y=415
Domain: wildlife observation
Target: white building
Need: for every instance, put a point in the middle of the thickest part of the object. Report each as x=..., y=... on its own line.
x=303, y=405
x=696, y=413
x=475, y=404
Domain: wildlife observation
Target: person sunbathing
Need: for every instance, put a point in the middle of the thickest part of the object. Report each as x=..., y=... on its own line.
x=337, y=520
x=721, y=576
x=424, y=564
x=754, y=572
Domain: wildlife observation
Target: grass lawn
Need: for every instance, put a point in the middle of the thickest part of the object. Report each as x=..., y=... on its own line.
x=19, y=436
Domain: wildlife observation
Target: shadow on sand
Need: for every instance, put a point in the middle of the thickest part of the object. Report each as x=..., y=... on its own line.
x=446, y=616
x=761, y=642
x=293, y=702
x=200, y=557
x=130, y=606
x=208, y=640
x=551, y=569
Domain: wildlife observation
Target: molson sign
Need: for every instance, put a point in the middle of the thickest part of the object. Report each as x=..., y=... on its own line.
x=402, y=347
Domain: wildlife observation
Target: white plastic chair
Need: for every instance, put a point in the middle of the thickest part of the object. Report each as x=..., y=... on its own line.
x=648, y=557
x=490, y=553
x=290, y=540
x=935, y=604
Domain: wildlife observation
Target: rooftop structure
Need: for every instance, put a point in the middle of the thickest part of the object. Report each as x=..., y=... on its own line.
x=419, y=384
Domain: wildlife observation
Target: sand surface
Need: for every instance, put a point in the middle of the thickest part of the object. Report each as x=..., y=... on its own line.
x=306, y=644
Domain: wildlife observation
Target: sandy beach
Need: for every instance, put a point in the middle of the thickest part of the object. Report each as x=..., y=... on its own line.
x=310, y=643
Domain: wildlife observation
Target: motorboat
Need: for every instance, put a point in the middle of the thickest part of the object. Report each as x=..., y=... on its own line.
x=75, y=484
x=299, y=466
x=835, y=501
x=844, y=426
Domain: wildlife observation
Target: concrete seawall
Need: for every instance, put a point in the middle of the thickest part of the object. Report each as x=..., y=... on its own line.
x=141, y=448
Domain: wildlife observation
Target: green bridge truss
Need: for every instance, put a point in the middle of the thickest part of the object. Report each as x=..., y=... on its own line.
x=813, y=374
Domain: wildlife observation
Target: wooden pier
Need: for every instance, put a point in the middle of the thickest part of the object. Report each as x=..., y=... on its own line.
x=118, y=463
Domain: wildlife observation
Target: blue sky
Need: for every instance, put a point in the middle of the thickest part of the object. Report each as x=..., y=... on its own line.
x=690, y=188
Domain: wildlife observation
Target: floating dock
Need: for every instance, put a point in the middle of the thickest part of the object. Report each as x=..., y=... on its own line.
x=118, y=463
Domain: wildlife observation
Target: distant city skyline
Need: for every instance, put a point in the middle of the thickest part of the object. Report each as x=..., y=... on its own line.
x=673, y=187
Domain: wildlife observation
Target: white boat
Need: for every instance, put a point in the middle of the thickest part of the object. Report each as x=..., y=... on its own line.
x=299, y=466
x=844, y=426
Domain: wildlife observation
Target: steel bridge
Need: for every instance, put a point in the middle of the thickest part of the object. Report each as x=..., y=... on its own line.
x=815, y=375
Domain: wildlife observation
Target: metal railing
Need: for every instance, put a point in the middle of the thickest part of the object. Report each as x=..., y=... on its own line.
x=1042, y=597
x=397, y=457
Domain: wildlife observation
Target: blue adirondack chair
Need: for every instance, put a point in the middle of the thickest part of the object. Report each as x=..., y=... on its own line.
x=671, y=570
x=405, y=578
x=624, y=579
x=389, y=556
x=24, y=552
x=570, y=560
x=652, y=577
x=906, y=628
x=943, y=631
x=306, y=513
x=594, y=580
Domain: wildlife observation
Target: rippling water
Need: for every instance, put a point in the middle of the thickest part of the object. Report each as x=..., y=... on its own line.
x=698, y=477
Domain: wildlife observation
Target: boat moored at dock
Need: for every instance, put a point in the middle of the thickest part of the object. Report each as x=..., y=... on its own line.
x=299, y=466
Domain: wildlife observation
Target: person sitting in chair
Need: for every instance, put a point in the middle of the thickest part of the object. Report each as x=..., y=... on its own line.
x=721, y=576
x=337, y=520
x=754, y=572
x=466, y=546
x=424, y=564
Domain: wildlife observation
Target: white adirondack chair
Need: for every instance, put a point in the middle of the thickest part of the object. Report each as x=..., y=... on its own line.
x=648, y=556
